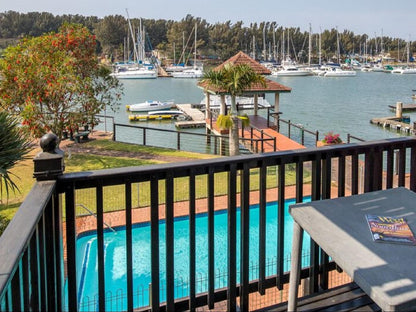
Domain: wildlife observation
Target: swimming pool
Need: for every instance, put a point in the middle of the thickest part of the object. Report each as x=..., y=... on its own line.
x=115, y=257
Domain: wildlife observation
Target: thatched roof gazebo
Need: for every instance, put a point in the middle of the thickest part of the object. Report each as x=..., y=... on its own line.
x=255, y=90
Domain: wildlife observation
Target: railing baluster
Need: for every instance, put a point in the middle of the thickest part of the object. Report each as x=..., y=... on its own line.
x=34, y=271
x=262, y=228
x=378, y=170
x=42, y=264
x=170, y=278
x=71, y=249
x=280, y=225
x=154, y=242
x=390, y=168
x=299, y=181
x=341, y=176
x=326, y=194
x=316, y=195
x=25, y=280
x=192, y=242
x=413, y=169
x=211, y=249
x=232, y=238
x=58, y=250
x=15, y=289
x=355, y=177
x=50, y=256
x=245, y=236
x=129, y=246
x=402, y=166
x=100, y=246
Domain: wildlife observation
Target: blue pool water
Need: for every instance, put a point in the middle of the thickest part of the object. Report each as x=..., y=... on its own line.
x=115, y=257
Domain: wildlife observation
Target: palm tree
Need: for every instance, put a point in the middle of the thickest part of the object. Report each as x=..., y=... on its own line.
x=233, y=80
x=14, y=146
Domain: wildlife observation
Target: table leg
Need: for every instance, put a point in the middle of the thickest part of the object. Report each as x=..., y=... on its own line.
x=295, y=266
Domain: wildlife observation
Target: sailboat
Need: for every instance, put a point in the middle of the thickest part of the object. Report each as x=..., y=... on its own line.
x=137, y=69
x=408, y=69
x=289, y=67
x=338, y=72
x=194, y=72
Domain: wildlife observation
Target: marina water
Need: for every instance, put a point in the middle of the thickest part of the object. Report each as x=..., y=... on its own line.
x=342, y=105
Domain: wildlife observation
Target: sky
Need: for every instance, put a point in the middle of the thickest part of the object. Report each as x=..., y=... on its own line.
x=393, y=18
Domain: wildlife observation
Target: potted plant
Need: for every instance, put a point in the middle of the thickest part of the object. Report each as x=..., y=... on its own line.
x=330, y=139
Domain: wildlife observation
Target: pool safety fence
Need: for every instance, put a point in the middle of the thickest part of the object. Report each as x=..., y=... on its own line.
x=116, y=300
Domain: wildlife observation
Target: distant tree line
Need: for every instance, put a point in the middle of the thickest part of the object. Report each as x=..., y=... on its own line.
x=266, y=41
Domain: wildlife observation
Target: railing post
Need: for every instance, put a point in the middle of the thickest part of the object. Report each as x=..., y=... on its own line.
x=303, y=136
x=288, y=126
x=262, y=141
x=144, y=136
x=49, y=164
x=114, y=131
x=178, y=141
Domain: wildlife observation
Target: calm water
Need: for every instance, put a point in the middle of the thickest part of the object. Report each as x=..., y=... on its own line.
x=343, y=105
x=115, y=256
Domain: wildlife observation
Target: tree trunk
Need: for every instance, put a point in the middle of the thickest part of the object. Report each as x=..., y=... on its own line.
x=234, y=140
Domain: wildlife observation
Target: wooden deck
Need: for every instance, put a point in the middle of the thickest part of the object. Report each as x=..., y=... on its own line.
x=283, y=143
x=347, y=297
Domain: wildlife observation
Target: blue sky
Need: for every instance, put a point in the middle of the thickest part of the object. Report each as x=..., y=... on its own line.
x=393, y=18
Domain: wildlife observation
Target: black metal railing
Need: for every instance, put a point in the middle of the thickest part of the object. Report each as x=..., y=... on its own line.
x=274, y=121
x=34, y=239
x=257, y=137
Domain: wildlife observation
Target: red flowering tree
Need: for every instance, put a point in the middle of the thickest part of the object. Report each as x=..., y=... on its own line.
x=55, y=82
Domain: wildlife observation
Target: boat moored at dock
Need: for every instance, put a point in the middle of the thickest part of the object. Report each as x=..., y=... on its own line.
x=150, y=106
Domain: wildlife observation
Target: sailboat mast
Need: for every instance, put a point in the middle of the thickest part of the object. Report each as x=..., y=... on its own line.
x=310, y=44
x=196, y=27
x=254, y=47
x=264, y=42
x=338, y=52
x=132, y=37
x=320, y=47
x=274, y=45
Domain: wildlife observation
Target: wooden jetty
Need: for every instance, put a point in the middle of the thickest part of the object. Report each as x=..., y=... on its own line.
x=393, y=123
x=405, y=108
x=197, y=117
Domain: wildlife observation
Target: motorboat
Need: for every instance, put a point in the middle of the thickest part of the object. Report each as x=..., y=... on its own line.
x=291, y=70
x=150, y=106
x=338, y=72
x=408, y=70
x=377, y=68
x=166, y=112
x=397, y=70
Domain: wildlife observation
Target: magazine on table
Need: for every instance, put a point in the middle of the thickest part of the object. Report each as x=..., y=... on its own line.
x=390, y=229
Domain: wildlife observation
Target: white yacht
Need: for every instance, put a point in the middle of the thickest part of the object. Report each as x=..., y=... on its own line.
x=150, y=106
x=338, y=72
x=291, y=70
